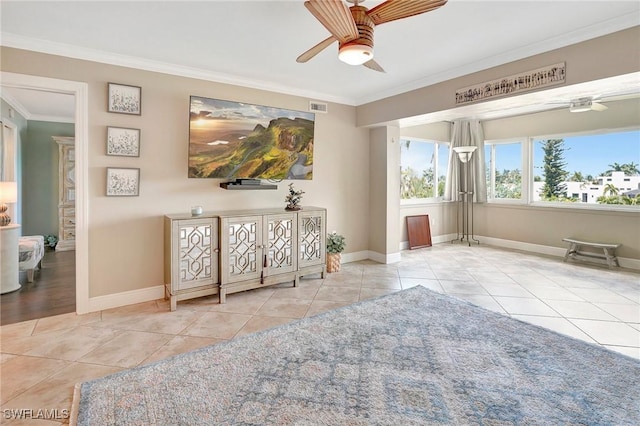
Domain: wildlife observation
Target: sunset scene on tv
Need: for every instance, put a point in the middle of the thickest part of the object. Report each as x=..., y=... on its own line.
x=229, y=140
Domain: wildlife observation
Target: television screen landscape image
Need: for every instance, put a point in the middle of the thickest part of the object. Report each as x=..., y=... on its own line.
x=229, y=140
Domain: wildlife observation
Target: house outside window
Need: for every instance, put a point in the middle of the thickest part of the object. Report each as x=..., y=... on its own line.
x=594, y=170
x=423, y=170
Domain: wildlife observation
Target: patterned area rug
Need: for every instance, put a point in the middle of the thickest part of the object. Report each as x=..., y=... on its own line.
x=413, y=357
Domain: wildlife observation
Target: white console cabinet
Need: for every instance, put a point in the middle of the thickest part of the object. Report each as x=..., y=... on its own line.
x=257, y=248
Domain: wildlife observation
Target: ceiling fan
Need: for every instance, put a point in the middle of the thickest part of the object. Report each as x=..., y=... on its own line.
x=582, y=102
x=586, y=104
x=352, y=27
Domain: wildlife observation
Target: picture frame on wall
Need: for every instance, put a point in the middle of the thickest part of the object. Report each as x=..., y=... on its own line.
x=123, y=142
x=125, y=99
x=123, y=182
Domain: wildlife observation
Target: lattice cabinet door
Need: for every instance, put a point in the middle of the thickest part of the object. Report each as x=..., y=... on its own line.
x=197, y=253
x=280, y=253
x=240, y=248
x=312, y=234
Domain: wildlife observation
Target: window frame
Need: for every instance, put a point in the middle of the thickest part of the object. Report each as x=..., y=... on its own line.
x=580, y=205
x=408, y=202
x=524, y=170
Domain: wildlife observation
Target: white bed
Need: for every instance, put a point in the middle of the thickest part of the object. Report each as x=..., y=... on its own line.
x=31, y=254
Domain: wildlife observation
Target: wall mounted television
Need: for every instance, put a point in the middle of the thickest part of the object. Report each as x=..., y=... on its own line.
x=231, y=140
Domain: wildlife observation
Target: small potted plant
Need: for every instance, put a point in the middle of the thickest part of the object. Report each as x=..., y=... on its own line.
x=293, y=199
x=335, y=246
x=50, y=241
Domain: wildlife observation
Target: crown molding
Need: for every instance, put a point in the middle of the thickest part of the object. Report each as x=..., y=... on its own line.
x=590, y=32
x=16, y=105
x=62, y=49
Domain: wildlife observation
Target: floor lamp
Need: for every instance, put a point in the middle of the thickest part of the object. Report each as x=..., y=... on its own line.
x=464, y=215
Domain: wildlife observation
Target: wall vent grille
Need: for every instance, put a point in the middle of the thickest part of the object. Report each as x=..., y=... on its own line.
x=318, y=107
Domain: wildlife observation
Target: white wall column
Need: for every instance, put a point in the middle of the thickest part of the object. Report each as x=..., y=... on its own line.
x=384, y=199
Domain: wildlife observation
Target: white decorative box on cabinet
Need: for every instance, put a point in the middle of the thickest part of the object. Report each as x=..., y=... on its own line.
x=257, y=248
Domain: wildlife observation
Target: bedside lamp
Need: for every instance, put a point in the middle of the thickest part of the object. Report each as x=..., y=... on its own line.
x=8, y=194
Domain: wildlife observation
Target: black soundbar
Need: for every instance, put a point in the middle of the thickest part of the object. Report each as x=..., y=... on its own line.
x=247, y=181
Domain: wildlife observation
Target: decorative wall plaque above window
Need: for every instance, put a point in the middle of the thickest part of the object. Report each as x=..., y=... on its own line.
x=517, y=83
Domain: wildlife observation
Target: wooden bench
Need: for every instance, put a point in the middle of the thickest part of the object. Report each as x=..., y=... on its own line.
x=609, y=251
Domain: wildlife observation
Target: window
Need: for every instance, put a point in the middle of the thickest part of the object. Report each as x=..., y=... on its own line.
x=593, y=169
x=504, y=161
x=423, y=169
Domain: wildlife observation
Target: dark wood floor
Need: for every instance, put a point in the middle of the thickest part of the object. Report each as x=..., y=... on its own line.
x=52, y=292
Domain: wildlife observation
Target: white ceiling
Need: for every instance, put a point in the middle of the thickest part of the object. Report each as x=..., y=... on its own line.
x=255, y=43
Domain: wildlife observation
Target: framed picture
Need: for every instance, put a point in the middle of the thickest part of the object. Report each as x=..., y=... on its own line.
x=123, y=142
x=125, y=99
x=123, y=182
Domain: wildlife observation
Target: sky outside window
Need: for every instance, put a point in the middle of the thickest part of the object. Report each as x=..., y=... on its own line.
x=589, y=154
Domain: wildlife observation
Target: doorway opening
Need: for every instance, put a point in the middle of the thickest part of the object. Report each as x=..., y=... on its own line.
x=77, y=262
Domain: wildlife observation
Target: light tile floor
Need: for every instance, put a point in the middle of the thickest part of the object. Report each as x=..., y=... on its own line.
x=42, y=360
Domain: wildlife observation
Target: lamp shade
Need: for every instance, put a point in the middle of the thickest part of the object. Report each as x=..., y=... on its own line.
x=465, y=152
x=8, y=192
x=355, y=54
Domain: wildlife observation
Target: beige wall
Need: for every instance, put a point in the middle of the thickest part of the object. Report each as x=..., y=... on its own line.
x=126, y=234
x=608, y=56
x=541, y=225
x=547, y=226
x=441, y=215
x=433, y=131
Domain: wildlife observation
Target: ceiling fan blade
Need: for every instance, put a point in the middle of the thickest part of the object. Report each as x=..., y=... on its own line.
x=598, y=107
x=336, y=17
x=316, y=49
x=392, y=10
x=372, y=64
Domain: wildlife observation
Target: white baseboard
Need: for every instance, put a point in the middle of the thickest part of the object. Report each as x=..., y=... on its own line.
x=126, y=298
x=404, y=245
x=548, y=250
x=370, y=255
x=384, y=258
x=519, y=245
x=154, y=293
x=354, y=257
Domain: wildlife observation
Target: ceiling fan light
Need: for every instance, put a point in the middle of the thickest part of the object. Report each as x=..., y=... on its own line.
x=580, y=105
x=355, y=54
